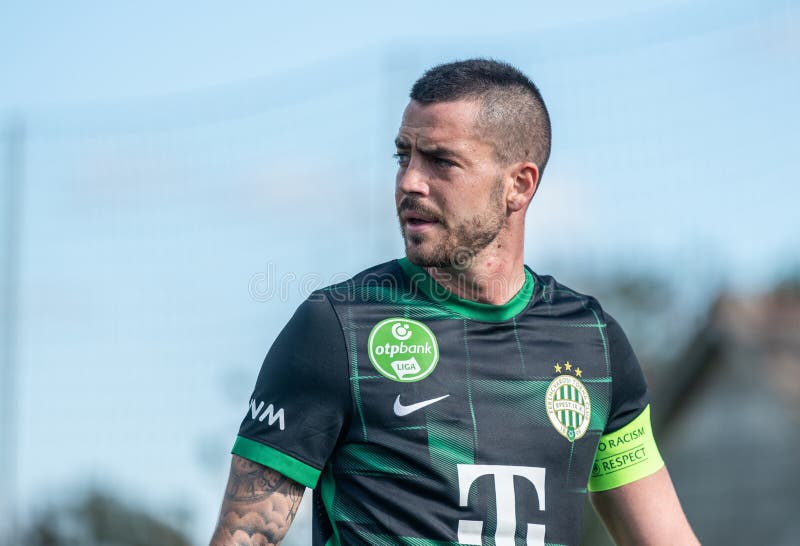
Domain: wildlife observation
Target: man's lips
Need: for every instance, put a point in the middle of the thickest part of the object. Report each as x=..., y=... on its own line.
x=416, y=222
x=417, y=217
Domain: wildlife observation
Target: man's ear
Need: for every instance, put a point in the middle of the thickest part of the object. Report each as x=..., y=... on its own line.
x=525, y=183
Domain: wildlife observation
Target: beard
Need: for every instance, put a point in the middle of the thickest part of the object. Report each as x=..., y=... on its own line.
x=458, y=246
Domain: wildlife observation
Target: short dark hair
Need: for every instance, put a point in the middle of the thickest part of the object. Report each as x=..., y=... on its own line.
x=513, y=112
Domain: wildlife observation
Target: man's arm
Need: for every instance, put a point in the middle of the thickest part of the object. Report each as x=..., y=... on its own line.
x=258, y=508
x=646, y=512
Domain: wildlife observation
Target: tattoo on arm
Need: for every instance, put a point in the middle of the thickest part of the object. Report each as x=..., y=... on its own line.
x=259, y=506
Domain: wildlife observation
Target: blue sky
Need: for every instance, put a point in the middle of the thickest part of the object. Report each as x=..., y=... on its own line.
x=178, y=154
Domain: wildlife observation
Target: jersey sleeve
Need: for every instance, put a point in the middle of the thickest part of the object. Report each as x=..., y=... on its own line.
x=302, y=396
x=627, y=450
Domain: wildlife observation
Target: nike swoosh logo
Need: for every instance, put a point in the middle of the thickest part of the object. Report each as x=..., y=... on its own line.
x=401, y=411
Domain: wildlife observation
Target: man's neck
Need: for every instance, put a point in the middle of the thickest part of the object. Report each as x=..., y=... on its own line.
x=489, y=279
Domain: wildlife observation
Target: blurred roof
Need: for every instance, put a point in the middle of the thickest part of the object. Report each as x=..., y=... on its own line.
x=726, y=414
x=728, y=420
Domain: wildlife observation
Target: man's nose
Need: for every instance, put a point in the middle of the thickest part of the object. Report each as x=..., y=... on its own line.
x=413, y=178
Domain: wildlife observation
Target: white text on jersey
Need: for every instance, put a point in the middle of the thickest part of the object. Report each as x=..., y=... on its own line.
x=471, y=531
x=255, y=411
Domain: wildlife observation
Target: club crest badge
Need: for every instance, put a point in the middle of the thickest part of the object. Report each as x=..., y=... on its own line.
x=567, y=402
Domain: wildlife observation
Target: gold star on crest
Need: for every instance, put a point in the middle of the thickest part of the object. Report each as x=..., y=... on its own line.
x=568, y=366
x=557, y=368
x=578, y=372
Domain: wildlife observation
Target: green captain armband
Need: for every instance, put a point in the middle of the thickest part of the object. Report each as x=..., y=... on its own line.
x=626, y=455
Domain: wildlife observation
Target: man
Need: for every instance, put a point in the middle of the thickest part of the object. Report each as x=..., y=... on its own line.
x=454, y=396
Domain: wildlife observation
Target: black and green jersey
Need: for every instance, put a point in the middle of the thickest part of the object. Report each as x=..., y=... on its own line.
x=421, y=418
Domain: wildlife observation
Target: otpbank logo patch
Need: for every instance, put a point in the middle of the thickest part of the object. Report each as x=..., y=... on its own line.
x=402, y=349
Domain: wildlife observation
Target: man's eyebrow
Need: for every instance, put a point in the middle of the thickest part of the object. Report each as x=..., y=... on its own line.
x=442, y=151
x=401, y=143
x=429, y=151
x=438, y=151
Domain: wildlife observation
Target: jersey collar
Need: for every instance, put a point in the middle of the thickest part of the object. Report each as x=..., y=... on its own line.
x=484, y=312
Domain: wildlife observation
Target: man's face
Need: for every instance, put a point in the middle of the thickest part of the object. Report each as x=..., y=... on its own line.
x=449, y=191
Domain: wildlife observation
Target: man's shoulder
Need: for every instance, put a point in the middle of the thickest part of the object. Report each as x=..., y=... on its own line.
x=558, y=298
x=370, y=284
x=377, y=282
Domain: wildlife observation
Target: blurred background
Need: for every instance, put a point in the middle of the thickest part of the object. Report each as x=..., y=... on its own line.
x=177, y=177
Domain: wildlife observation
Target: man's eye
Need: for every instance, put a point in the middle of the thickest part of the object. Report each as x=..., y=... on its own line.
x=442, y=162
x=401, y=158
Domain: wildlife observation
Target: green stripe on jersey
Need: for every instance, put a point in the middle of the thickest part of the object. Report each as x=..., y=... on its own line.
x=327, y=488
x=392, y=540
x=370, y=459
x=467, y=308
x=277, y=460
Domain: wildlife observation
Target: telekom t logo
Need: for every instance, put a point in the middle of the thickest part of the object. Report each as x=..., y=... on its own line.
x=470, y=531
